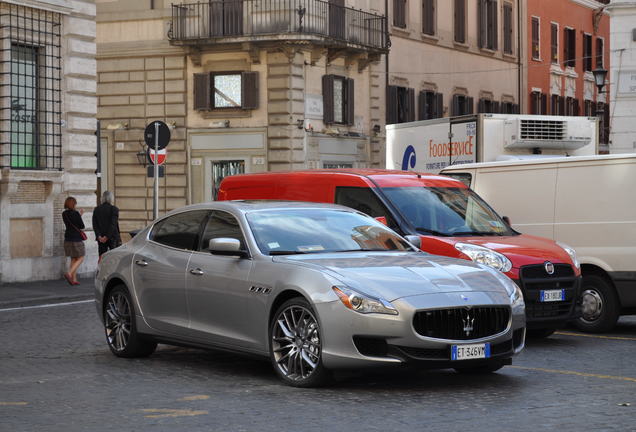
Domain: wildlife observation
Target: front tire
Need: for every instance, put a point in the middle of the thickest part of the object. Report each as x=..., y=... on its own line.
x=120, y=327
x=295, y=345
x=601, y=307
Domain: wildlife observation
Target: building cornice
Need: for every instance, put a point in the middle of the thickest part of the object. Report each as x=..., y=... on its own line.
x=590, y=4
x=58, y=6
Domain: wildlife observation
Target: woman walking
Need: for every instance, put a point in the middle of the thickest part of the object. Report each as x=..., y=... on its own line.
x=73, y=238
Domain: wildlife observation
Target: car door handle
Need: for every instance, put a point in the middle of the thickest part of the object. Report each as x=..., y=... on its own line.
x=141, y=263
x=196, y=271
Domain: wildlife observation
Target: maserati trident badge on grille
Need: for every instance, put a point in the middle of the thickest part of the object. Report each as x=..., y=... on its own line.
x=468, y=320
x=549, y=267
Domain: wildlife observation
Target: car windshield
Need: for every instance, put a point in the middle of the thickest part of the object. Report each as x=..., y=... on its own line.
x=447, y=211
x=296, y=231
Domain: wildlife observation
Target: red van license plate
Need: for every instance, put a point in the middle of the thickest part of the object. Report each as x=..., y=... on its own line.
x=552, y=295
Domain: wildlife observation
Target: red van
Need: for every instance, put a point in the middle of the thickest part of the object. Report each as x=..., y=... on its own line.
x=448, y=218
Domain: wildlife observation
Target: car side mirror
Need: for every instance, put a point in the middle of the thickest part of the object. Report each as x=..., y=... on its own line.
x=382, y=220
x=506, y=219
x=226, y=246
x=414, y=240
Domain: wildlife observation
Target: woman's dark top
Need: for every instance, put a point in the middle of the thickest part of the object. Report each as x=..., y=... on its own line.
x=72, y=217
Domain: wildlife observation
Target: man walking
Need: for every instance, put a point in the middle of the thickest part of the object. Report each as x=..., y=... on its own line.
x=106, y=224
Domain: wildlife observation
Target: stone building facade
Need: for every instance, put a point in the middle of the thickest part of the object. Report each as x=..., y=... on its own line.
x=47, y=139
x=253, y=86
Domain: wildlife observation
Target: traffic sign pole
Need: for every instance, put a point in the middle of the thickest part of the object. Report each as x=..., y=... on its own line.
x=155, y=202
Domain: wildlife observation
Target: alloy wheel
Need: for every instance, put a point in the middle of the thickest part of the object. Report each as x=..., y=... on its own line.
x=118, y=321
x=296, y=343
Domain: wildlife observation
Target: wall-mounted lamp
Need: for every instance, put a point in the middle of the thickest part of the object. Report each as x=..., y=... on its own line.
x=142, y=158
x=377, y=129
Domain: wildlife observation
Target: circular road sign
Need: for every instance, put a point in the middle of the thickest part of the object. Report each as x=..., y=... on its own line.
x=164, y=135
x=150, y=153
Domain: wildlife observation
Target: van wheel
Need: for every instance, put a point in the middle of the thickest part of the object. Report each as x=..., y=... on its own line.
x=601, y=308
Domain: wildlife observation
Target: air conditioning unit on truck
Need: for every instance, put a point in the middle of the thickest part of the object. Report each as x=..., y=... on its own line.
x=431, y=145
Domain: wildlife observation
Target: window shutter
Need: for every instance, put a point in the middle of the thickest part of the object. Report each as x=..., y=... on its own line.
x=516, y=109
x=327, y=98
x=455, y=106
x=350, y=102
x=202, y=92
x=470, y=102
x=495, y=25
x=439, y=105
x=544, y=103
x=410, y=107
x=577, y=107
x=561, y=105
x=496, y=108
x=481, y=106
x=482, y=22
x=249, y=90
x=460, y=20
x=421, y=106
x=391, y=105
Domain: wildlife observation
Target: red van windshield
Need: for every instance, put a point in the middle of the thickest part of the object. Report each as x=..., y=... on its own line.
x=447, y=211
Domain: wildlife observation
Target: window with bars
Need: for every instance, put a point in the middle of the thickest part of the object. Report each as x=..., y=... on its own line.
x=459, y=18
x=30, y=92
x=587, y=52
x=538, y=103
x=508, y=35
x=554, y=43
x=428, y=17
x=572, y=107
x=487, y=24
x=569, y=47
x=599, y=53
x=589, y=108
x=508, y=107
x=488, y=106
x=536, y=47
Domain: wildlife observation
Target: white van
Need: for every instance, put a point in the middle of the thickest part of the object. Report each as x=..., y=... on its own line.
x=587, y=202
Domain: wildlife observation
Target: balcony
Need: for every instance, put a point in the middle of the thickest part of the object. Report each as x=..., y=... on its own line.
x=318, y=21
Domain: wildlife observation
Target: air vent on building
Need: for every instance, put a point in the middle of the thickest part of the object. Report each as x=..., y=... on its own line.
x=542, y=130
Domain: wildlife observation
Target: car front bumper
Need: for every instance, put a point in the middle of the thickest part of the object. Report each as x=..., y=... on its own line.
x=353, y=340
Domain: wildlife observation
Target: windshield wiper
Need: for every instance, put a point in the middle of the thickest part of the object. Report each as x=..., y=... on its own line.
x=286, y=252
x=370, y=250
x=430, y=231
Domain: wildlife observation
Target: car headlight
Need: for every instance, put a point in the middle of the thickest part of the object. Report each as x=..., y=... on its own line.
x=570, y=251
x=516, y=297
x=363, y=304
x=483, y=255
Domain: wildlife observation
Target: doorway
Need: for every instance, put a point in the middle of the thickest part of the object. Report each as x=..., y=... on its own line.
x=221, y=169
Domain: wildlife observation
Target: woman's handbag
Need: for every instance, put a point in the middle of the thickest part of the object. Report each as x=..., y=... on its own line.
x=82, y=233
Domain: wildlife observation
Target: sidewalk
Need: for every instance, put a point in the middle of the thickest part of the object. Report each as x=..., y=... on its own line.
x=43, y=292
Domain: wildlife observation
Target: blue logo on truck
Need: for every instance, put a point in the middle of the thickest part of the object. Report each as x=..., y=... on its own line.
x=408, y=161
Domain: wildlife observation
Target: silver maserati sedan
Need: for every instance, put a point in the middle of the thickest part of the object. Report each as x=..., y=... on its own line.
x=314, y=287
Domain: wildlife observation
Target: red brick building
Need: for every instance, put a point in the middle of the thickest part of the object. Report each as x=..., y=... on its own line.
x=566, y=41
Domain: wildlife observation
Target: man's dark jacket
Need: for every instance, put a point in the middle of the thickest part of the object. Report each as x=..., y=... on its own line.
x=106, y=222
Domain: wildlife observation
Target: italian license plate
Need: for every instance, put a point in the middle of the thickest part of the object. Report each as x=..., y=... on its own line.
x=552, y=295
x=472, y=351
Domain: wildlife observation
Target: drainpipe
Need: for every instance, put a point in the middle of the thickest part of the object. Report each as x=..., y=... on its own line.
x=386, y=57
x=519, y=68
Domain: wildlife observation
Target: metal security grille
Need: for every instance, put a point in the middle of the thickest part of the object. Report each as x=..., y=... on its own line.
x=543, y=129
x=30, y=88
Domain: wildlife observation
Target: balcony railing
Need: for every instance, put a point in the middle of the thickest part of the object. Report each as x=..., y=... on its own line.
x=194, y=23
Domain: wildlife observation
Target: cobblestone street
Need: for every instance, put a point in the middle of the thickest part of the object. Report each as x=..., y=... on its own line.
x=57, y=374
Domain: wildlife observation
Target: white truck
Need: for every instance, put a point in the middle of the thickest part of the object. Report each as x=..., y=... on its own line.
x=431, y=145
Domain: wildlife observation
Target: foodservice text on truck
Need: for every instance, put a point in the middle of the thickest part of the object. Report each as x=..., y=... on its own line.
x=431, y=145
x=448, y=219
x=587, y=202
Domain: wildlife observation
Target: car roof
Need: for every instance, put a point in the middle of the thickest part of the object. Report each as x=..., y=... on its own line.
x=379, y=177
x=246, y=206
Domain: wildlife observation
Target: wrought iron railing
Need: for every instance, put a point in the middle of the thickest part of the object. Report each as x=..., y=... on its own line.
x=195, y=22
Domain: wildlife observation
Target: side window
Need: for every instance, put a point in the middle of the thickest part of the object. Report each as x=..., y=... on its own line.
x=365, y=200
x=180, y=231
x=221, y=224
x=465, y=178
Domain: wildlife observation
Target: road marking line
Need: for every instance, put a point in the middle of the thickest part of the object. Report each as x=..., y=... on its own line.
x=163, y=412
x=583, y=374
x=13, y=403
x=194, y=398
x=47, y=305
x=594, y=336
